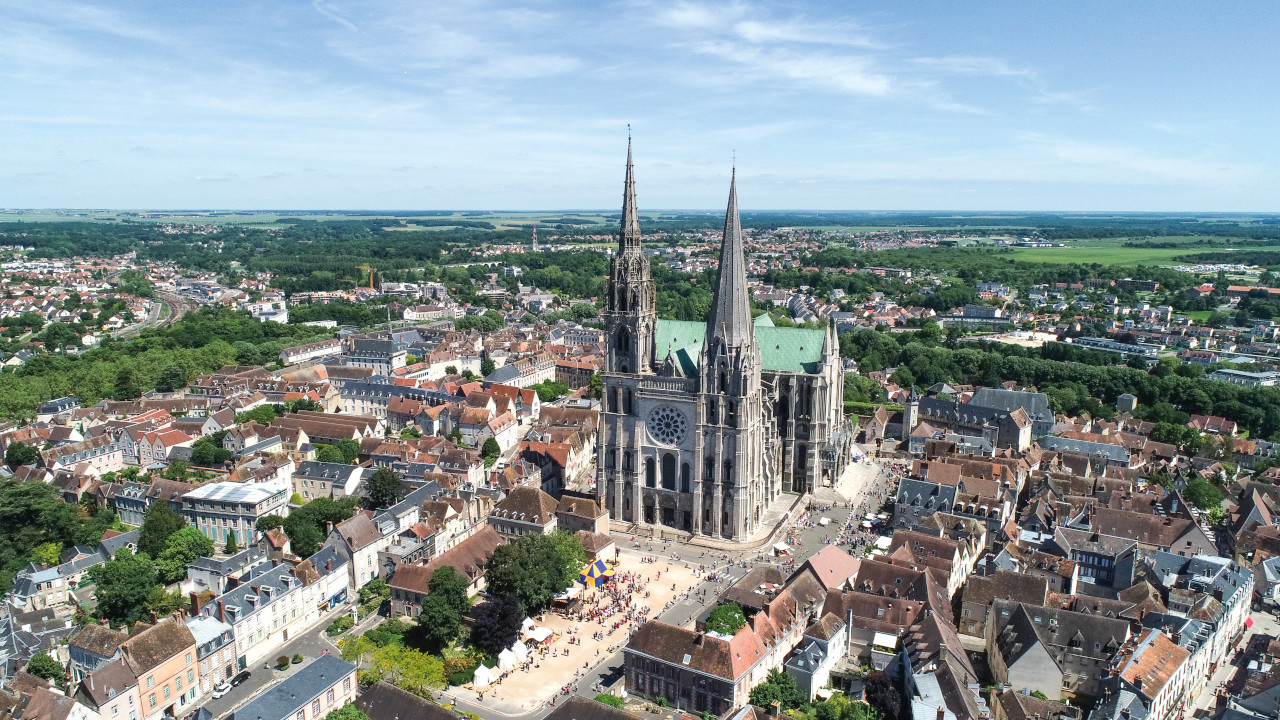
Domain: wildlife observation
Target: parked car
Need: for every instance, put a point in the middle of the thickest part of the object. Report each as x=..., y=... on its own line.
x=238, y=679
x=221, y=689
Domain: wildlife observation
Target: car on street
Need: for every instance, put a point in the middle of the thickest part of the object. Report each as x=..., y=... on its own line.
x=238, y=679
x=221, y=689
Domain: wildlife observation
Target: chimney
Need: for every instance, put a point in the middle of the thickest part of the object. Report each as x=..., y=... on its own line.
x=942, y=713
x=154, y=619
x=89, y=679
x=222, y=611
x=328, y=565
x=195, y=603
x=328, y=527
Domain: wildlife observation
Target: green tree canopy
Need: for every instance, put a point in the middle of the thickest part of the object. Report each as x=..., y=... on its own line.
x=348, y=712
x=778, y=686
x=490, y=451
x=18, y=454
x=726, y=619
x=183, y=546
x=330, y=454
x=384, y=488
x=160, y=522
x=43, y=665
x=535, y=568
x=172, y=377
x=439, y=620
x=124, y=586
x=451, y=586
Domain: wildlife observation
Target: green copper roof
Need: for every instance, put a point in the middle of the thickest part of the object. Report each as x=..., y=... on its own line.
x=781, y=349
x=764, y=320
x=790, y=349
x=682, y=337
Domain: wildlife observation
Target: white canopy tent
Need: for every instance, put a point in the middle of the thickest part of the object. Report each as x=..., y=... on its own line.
x=483, y=676
x=540, y=634
x=506, y=660
x=520, y=651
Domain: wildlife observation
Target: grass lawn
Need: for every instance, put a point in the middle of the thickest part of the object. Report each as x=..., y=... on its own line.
x=1198, y=315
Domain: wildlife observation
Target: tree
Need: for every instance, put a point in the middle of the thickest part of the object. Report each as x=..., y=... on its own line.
x=172, y=377
x=304, y=536
x=535, y=568
x=207, y=452
x=330, y=454
x=1203, y=494
x=610, y=699
x=884, y=695
x=348, y=712
x=384, y=488
x=439, y=621
x=267, y=523
x=497, y=624
x=549, y=390
x=487, y=366
x=407, y=669
x=595, y=386
x=160, y=522
x=182, y=547
x=43, y=665
x=452, y=586
x=490, y=451
x=349, y=448
x=18, y=454
x=451, y=370
x=726, y=619
x=124, y=586
x=48, y=554
x=263, y=415
x=231, y=547
x=126, y=388
x=777, y=686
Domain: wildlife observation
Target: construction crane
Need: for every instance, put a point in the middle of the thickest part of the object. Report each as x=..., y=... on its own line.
x=371, y=270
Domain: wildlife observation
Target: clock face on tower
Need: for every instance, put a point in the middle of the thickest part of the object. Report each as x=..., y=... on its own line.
x=667, y=425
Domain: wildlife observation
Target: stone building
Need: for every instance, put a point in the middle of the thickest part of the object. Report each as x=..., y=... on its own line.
x=705, y=425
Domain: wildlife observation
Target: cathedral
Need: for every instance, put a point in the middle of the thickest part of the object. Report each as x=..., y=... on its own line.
x=705, y=424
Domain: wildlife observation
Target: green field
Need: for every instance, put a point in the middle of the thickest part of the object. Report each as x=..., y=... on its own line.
x=1200, y=316
x=1115, y=254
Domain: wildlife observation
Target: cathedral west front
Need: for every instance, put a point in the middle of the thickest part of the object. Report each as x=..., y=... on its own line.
x=705, y=424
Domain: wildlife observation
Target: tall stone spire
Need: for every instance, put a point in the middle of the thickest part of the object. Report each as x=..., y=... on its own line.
x=629, y=237
x=731, y=312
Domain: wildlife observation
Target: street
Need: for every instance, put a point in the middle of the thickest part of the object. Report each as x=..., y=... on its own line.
x=310, y=645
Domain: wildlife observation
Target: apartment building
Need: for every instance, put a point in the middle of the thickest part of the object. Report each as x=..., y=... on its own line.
x=224, y=509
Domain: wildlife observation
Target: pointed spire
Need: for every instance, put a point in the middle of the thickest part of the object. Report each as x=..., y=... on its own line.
x=731, y=312
x=630, y=232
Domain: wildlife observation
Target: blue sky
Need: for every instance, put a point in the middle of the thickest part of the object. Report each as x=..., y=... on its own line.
x=419, y=104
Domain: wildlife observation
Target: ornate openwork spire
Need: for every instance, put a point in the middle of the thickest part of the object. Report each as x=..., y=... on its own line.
x=629, y=237
x=731, y=312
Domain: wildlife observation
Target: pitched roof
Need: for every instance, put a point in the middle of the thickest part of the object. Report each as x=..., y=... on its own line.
x=832, y=567
x=383, y=701
x=152, y=646
x=673, y=644
x=527, y=504
x=358, y=531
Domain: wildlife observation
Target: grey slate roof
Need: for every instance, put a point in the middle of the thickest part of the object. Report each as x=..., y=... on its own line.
x=283, y=701
x=1113, y=453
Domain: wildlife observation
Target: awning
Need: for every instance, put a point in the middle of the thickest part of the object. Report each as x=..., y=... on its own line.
x=540, y=634
x=885, y=640
x=781, y=548
x=1248, y=623
x=866, y=523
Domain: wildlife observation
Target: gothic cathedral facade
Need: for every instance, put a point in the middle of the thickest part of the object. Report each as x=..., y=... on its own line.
x=705, y=425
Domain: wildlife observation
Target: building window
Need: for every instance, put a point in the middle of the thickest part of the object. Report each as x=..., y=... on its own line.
x=177, y=682
x=302, y=714
x=329, y=697
x=346, y=684
x=165, y=690
x=151, y=682
x=315, y=707
x=152, y=700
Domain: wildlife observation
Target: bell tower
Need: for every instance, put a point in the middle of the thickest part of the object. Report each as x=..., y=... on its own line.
x=630, y=315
